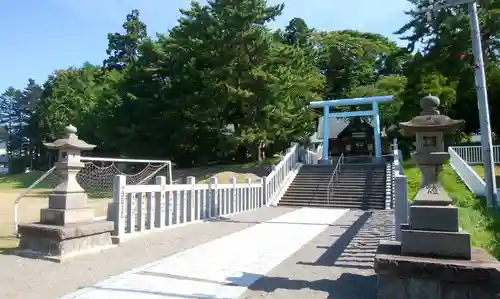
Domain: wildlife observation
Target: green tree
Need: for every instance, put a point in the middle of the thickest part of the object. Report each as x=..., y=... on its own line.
x=351, y=58
x=123, y=48
x=445, y=65
x=83, y=97
x=297, y=33
x=227, y=71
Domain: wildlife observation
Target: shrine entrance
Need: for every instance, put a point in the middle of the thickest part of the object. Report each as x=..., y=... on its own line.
x=357, y=138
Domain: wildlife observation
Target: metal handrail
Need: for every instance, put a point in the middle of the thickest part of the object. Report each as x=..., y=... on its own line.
x=334, y=177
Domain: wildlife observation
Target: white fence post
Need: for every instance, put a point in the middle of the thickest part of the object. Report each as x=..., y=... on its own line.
x=119, y=198
x=141, y=213
x=191, y=199
x=260, y=193
x=401, y=213
x=233, y=202
x=137, y=208
x=213, y=206
x=264, y=191
x=247, y=206
x=150, y=204
x=160, y=204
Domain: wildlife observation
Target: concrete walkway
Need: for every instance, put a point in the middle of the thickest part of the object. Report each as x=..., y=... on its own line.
x=38, y=279
x=223, y=268
x=267, y=253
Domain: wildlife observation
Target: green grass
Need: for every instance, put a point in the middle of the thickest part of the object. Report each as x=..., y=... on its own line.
x=483, y=224
x=22, y=181
x=480, y=171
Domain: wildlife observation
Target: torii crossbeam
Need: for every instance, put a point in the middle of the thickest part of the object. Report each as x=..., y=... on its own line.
x=374, y=113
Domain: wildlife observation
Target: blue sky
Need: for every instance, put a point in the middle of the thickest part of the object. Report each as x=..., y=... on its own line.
x=41, y=36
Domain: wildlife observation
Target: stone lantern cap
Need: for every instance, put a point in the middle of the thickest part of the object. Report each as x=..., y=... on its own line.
x=70, y=141
x=430, y=120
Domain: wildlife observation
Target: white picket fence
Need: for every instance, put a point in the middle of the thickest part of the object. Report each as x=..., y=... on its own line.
x=144, y=208
x=459, y=155
x=474, y=154
x=274, y=180
x=312, y=157
x=401, y=206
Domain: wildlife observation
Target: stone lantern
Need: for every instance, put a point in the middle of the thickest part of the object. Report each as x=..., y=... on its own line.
x=433, y=227
x=68, y=200
x=434, y=258
x=67, y=226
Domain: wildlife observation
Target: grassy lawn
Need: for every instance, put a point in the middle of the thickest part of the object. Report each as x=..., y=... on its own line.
x=483, y=224
x=480, y=171
x=21, y=181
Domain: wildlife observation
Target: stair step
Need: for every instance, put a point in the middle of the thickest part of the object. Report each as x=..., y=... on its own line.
x=337, y=205
x=342, y=178
x=335, y=198
x=337, y=189
x=359, y=201
x=334, y=193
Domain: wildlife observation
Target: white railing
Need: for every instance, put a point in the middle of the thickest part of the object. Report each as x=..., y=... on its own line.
x=141, y=208
x=400, y=192
x=334, y=179
x=474, y=154
x=92, y=171
x=468, y=175
x=398, y=161
x=275, y=179
x=312, y=157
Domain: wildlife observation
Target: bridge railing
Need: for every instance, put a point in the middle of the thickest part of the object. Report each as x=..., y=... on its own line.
x=142, y=208
x=473, y=154
x=312, y=157
x=400, y=192
x=274, y=180
x=460, y=159
x=334, y=179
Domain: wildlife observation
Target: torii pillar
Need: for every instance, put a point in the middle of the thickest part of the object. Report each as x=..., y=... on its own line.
x=374, y=113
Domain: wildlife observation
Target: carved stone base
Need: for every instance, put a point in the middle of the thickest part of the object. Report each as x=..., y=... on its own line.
x=436, y=244
x=407, y=277
x=434, y=218
x=67, y=200
x=55, y=242
x=64, y=217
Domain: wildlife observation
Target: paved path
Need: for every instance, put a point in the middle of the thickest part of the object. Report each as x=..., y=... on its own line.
x=268, y=253
x=336, y=264
x=37, y=279
x=223, y=268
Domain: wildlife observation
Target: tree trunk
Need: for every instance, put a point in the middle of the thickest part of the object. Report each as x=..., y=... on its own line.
x=241, y=154
x=257, y=151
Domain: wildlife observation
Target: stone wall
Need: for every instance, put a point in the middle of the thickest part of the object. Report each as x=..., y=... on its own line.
x=392, y=287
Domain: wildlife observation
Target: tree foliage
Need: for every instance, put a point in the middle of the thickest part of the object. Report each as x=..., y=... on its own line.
x=221, y=86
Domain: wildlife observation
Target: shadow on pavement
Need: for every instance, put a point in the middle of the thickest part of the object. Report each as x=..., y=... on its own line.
x=347, y=286
x=355, y=248
x=351, y=250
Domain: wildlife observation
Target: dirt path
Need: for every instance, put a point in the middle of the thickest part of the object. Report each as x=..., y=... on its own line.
x=29, y=211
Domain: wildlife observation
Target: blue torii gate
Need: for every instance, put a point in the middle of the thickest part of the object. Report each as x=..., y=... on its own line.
x=349, y=102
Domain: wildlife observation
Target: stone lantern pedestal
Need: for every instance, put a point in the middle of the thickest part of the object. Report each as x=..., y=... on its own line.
x=67, y=226
x=434, y=258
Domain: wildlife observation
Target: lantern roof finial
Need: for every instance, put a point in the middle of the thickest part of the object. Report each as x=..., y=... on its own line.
x=70, y=141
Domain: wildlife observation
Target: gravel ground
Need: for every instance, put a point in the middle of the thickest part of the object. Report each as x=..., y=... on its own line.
x=337, y=264
x=37, y=279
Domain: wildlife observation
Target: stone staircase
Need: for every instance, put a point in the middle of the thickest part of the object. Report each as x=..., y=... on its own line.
x=360, y=186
